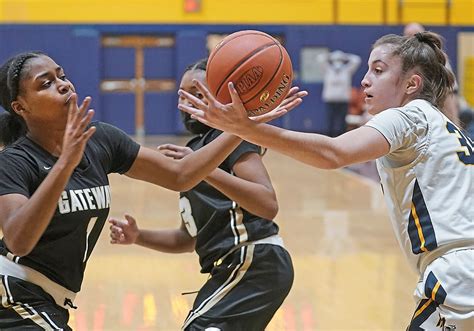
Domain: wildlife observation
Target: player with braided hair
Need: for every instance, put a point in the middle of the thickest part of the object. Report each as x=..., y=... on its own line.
x=54, y=188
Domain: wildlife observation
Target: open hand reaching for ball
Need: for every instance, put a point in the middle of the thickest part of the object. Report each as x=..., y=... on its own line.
x=233, y=117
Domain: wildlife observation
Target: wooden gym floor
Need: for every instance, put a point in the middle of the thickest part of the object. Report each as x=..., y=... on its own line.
x=349, y=271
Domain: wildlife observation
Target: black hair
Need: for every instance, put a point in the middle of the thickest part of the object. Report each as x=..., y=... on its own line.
x=424, y=53
x=198, y=65
x=12, y=125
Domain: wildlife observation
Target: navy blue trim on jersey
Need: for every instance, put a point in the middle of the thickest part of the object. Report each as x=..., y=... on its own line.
x=434, y=290
x=422, y=313
x=466, y=153
x=420, y=227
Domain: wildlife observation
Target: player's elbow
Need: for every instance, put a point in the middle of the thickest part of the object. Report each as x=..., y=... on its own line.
x=335, y=158
x=272, y=210
x=183, y=184
x=188, y=243
x=334, y=163
x=267, y=208
x=18, y=246
x=186, y=180
x=271, y=214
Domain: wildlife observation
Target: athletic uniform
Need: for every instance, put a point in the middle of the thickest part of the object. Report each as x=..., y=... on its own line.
x=250, y=271
x=428, y=180
x=36, y=289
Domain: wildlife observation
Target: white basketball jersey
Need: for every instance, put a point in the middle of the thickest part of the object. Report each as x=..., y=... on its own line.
x=427, y=178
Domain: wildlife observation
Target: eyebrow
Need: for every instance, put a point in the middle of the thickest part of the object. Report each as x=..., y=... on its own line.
x=46, y=73
x=377, y=61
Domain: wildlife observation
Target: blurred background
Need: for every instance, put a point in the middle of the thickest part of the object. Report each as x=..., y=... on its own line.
x=129, y=56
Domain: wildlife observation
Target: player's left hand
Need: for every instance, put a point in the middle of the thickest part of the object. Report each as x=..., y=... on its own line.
x=174, y=151
x=292, y=100
x=231, y=117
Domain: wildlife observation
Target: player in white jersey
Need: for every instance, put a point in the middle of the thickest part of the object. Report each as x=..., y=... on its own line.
x=425, y=164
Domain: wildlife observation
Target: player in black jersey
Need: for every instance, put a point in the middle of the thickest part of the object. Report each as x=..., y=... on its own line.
x=54, y=190
x=227, y=219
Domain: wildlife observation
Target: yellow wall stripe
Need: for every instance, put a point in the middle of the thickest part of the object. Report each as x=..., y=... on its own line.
x=240, y=12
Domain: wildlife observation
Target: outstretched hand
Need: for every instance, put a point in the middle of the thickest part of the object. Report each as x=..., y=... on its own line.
x=232, y=117
x=123, y=232
x=213, y=113
x=292, y=100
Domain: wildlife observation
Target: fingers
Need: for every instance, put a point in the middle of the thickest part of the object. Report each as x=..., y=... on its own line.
x=78, y=112
x=130, y=219
x=117, y=228
x=86, y=135
x=168, y=146
x=71, y=108
x=116, y=232
x=234, y=95
x=203, y=89
x=86, y=120
x=117, y=223
x=293, y=104
x=278, y=112
x=192, y=111
x=198, y=103
x=84, y=106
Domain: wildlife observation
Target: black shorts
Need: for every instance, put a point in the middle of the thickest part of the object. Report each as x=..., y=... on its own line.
x=245, y=290
x=26, y=306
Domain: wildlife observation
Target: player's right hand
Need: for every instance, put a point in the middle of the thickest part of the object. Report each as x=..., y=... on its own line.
x=75, y=134
x=124, y=232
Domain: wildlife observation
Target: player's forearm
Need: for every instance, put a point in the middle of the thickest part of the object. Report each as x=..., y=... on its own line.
x=313, y=149
x=167, y=241
x=253, y=197
x=199, y=164
x=24, y=228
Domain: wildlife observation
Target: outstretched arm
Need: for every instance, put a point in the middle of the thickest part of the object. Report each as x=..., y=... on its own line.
x=250, y=187
x=317, y=150
x=183, y=174
x=126, y=232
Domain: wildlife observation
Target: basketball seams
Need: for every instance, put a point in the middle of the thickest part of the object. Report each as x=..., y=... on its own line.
x=246, y=58
x=271, y=79
x=222, y=43
x=262, y=76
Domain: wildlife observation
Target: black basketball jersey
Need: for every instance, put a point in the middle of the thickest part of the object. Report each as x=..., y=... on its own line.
x=62, y=252
x=217, y=222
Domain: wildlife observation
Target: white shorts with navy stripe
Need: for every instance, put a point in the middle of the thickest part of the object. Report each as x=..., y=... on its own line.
x=445, y=294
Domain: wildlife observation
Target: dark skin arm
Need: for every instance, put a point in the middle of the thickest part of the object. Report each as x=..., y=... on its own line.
x=21, y=234
x=126, y=232
x=185, y=173
x=251, y=187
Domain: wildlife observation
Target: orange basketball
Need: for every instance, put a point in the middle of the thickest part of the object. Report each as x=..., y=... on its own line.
x=258, y=66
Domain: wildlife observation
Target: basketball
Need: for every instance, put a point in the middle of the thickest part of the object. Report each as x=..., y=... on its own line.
x=258, y=66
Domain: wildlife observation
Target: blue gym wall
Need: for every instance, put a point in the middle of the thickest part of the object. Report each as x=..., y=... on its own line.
x=78, y=49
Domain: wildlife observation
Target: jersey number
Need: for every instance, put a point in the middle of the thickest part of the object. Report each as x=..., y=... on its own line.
x=187, y=216
x=90, y=226
x=466, y=151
